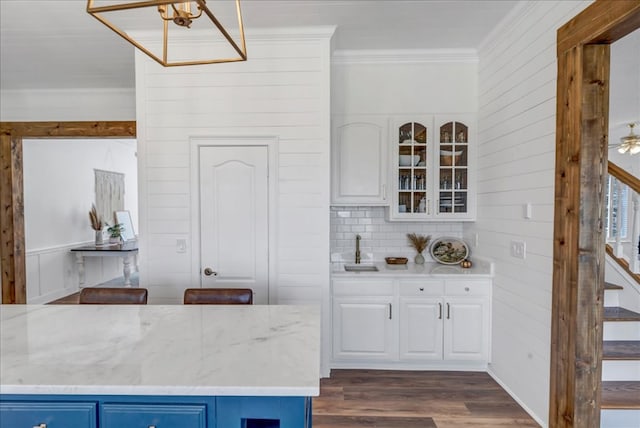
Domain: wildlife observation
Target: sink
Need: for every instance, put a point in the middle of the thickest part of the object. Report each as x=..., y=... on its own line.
x=360, y=268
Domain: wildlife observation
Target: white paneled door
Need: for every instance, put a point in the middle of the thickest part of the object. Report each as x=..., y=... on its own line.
x=234, y=234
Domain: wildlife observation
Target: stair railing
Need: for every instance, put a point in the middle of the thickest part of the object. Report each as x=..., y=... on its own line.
x=623, y=182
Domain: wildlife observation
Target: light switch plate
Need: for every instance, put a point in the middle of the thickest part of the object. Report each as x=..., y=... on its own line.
x=518, y=249
x=181, y=245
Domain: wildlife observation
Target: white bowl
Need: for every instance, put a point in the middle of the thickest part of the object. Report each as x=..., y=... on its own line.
x=409, y=160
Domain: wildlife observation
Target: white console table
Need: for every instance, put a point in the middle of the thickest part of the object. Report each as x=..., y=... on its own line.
x=128, y=251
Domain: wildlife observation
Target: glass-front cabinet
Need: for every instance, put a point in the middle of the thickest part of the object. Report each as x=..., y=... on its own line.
x=431, y=169
x=413, y=173
x=453, y=169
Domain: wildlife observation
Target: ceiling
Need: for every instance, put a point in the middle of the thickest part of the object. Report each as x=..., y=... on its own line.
x=50, y=44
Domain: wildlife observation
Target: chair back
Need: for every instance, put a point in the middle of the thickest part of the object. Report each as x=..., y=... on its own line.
x=113, y=296
x=218, y=296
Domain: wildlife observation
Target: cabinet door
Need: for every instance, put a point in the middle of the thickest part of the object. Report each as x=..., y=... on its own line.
x=411, y=168
x=359, y=161
x=421, y=328
x=364, y=328
x=51, y=414
x=466, y=328
x=147, y=415
x=455, y=167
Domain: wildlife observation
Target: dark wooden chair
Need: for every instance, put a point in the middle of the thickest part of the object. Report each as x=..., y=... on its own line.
x=113, y=296
x=218, y=296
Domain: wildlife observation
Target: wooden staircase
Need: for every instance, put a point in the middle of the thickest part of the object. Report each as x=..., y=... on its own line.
x=620, y=395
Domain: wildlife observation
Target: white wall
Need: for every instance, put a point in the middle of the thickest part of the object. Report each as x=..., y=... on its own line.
x=410, y=82
x=282, y=91
x=624, y=97
x=67, y=105
x=59, y=188
x=517, y=103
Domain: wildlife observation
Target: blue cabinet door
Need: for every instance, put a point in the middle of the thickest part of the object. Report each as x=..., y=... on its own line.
x=120, y=415
x=28, y=414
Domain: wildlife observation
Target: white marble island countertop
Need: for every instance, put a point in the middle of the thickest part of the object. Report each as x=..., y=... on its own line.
x=256, y=350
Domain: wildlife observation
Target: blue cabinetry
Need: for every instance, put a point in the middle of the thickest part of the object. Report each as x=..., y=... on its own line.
x=146, y=415
x=108, y=411
x=52, y=414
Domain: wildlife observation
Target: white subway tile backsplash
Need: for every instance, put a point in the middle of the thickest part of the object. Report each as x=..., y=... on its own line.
x=379, y=236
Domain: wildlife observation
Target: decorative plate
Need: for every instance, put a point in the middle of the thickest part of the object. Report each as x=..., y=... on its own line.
x=449, y=251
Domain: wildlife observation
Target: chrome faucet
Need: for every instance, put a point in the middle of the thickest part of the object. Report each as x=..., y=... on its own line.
x=357, y=249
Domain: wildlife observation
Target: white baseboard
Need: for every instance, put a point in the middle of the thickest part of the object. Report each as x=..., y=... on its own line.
x=495, y=377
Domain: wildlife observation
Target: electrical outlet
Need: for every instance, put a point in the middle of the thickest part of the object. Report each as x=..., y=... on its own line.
x=518, y=249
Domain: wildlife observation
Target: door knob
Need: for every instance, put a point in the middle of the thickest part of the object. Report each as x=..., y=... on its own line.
x=209, y=272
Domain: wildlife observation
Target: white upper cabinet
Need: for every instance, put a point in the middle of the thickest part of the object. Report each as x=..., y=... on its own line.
x=431, y=168
x=359, y=167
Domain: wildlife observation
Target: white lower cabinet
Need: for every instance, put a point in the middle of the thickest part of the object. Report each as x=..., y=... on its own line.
x=364, y=326
x=411, y=322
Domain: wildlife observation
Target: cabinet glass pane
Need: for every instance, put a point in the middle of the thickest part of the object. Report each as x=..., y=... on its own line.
x=412, y=168
x=453, y=169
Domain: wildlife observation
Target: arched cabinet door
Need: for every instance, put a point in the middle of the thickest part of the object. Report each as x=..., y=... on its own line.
x=358, y=164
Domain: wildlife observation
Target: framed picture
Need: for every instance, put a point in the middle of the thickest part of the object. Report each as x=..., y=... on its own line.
x=124, y=217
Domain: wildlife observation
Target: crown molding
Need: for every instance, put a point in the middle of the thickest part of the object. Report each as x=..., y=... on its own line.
x=404, y=56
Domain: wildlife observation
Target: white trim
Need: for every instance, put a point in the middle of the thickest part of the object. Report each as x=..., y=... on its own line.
x=271, y=142
x=516, y=398
x=404, y=56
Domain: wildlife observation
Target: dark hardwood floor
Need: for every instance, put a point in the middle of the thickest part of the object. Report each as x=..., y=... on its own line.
x=412, y=399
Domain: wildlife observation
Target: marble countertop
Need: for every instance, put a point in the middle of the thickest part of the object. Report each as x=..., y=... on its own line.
x=256, y=350
x=479, y=269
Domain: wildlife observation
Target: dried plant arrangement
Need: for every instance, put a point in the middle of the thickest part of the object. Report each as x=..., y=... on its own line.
x=419, y=242
x=94, y=218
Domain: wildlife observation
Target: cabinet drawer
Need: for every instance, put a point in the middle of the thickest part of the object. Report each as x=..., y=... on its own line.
x=421, y=288
x=53, y=414
x=468, y=288
x=161, y=415
x=367, y=287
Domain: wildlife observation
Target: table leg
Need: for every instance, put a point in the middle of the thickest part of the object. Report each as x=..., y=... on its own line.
x=126, y=261
x=80, y=263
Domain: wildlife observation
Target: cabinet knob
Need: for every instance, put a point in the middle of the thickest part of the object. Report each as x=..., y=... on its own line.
x=40, y=426
x=421, y=288
x=466, y=288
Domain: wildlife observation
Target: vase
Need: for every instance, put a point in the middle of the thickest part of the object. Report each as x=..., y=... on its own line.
x=99, y=239
x=114, y=240
x=419, y=259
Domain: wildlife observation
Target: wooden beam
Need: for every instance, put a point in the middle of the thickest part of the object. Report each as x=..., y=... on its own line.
x=123, y=129
x=603, y=22
x=12, y=245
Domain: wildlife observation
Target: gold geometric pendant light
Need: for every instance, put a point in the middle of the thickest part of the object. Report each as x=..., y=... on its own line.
x=174, y=32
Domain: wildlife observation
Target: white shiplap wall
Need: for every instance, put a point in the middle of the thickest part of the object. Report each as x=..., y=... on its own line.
x=516, y=161
x=282, y=91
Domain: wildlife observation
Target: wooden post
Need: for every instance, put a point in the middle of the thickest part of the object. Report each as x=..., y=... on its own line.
x=12, y=221
x=579, y=242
